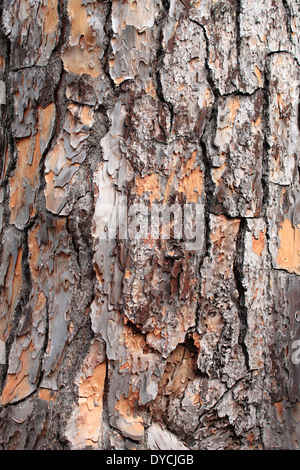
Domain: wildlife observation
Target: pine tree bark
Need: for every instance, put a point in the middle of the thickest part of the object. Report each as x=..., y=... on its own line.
x=112, y=341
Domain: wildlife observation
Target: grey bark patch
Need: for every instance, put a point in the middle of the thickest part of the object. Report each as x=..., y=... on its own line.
x=2, y=92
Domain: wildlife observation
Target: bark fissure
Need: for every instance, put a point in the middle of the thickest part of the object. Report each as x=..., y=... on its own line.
x=209, y=73
x=113, y=342
x=239, y=278
x=238, y=31
x=288, y=14
x=159, y=60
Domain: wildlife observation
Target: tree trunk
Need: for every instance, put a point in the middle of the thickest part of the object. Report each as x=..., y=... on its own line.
x=149, y=224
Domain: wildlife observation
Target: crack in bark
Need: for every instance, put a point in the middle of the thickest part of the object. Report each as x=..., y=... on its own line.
x=79, y=242
x=209, y=72
x=266, y=146
x=238, y=33
x=265, y=180
x=105, y=60
x=288, y=19
x=208, y=181
x=59, y=89
x=215, y=405
x=239, y=277
x=26, y=275
x=8, y=115
x=158, y=63
x=59, y=112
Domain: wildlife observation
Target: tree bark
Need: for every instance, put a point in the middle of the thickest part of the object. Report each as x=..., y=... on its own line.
x=116, y=333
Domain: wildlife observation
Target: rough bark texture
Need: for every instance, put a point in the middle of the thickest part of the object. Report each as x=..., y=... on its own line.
x=147, y=342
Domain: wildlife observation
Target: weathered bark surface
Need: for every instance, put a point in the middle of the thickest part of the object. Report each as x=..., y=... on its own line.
x=144, y=342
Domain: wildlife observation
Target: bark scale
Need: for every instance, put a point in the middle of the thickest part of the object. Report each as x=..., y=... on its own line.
x=113, y=336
